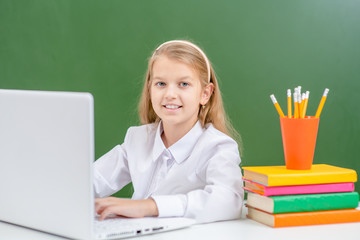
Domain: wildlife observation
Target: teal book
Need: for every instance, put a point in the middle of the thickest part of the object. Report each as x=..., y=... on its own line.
x=303, y=202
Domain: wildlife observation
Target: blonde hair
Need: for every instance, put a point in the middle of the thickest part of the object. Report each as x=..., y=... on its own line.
x=185, y=52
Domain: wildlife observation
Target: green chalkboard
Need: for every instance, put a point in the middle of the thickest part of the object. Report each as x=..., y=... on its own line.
x=257, y=48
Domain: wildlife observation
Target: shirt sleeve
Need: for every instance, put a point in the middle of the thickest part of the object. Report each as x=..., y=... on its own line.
x=171, y=205
x=222, y=196
x=111, y=172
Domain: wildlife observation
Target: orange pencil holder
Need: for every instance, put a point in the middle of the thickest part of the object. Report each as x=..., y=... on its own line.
x=299, y=140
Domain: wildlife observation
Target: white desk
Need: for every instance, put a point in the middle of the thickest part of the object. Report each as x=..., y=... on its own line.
x=229, y=230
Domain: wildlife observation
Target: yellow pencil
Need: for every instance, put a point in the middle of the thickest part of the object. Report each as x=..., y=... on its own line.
x=305, y=104
x=277, y=106
x=322, y=102
x=289, y=103
x=301, y=105
x=296, y=105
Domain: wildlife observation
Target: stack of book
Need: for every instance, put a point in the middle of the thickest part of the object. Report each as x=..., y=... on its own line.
x=279, y=197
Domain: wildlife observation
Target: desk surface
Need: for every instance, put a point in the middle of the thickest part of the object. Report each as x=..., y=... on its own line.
x=229, y=230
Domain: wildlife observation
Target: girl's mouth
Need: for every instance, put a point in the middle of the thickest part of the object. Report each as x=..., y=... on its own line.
x=172, y=107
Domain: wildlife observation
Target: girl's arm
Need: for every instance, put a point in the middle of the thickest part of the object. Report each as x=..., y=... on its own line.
x=111, y=172
x=222, y=197
x=125, y=207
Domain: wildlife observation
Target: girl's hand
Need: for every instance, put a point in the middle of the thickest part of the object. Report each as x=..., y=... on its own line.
x=125, y=207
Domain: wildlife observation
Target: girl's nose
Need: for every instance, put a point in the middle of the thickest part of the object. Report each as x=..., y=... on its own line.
x=171, y=92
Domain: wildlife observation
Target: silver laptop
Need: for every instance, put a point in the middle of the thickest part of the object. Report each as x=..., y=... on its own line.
x=46, y=156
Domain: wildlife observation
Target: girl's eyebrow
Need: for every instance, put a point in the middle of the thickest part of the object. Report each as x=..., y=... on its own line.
x=157, y=78
x=185, y=77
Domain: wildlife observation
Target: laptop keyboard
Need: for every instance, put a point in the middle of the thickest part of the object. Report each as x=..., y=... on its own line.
x=118, y=227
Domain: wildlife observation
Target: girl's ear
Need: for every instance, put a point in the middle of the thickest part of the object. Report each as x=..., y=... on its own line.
x=207, y=92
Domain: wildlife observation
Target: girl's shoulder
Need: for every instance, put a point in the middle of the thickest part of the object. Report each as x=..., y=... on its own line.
x=143, y=130
x=214, y=145
x=144, y=127
x=211, y=130
x=141, y=134
x=213, y=136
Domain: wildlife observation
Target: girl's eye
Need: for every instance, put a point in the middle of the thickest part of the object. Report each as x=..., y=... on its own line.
x=184, y=84
x=160, y=84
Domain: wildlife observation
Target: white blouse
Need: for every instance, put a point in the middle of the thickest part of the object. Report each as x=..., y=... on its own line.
x=197, y=177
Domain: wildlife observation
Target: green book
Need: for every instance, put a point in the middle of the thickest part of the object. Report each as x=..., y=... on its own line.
x=303, y=202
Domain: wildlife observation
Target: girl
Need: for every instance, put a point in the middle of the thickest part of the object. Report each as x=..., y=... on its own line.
x=182, y=161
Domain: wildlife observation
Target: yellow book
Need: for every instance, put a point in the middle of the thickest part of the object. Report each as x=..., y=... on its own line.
x=280, y=176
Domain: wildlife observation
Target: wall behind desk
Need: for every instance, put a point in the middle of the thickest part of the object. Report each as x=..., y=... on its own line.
x=257, y=48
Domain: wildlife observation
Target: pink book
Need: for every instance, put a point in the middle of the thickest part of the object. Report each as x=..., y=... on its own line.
x=255, y=187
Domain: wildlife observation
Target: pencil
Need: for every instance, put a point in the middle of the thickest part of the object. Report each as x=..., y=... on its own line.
x=301, y=105
x=277, y=106
x=305, y=104
x=322, y=102
x=289, y=103
x=296, y=105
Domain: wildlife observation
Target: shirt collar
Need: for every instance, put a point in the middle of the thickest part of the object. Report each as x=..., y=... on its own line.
x=159, y=146
x=181, y=149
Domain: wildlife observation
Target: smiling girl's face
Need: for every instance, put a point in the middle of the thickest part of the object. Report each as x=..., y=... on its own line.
x=176, y=93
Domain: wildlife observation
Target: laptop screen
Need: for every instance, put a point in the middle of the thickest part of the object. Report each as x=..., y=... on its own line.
x=46, y=156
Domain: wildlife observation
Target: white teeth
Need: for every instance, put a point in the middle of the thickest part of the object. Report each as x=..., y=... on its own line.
x=172, y=106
